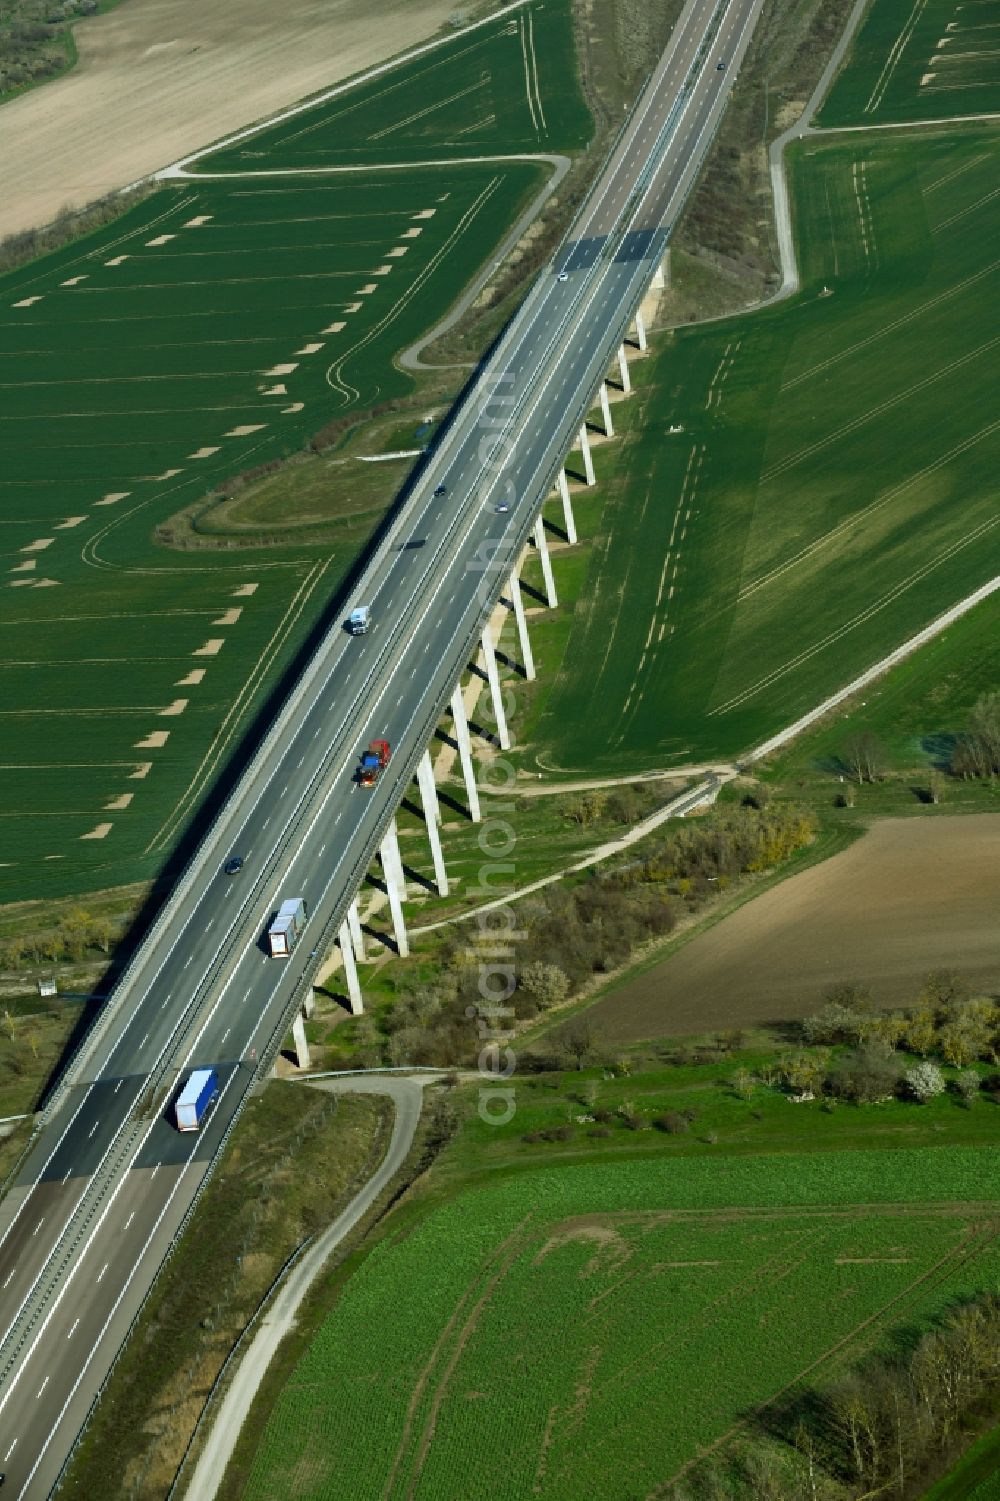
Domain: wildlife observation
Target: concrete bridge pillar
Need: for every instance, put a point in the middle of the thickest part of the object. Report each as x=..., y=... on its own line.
x=461, y=724
x=543, y=552
x=354, y=927
x=395, y=885
x=490, y=661
x=350, y=969
x=623, y=375
x=588, y=459
x=309, y=1004
x=527, y=658
x=432, y=817
x=569, y=520
x=640, y=331
x=609, y=429
x=299, y=1040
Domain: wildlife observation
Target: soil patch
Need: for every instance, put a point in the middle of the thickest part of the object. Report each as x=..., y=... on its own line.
x=158, y=78
x=911, y=896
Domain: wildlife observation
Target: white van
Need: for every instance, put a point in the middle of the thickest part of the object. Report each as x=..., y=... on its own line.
x=359, y=621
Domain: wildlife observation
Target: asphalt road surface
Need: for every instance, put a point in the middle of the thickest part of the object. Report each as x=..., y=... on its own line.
x=109, y=1180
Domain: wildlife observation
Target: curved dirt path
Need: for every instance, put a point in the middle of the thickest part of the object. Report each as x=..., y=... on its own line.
x=407, y=1097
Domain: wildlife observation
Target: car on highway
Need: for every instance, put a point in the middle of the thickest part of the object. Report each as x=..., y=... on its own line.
x=440, y=489
x=232, y=865
x=720, y=66
x=359, y=621
x=502, y=507
x=563, y=276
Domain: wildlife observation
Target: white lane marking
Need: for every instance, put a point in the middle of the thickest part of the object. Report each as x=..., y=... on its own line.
x=68, y=1172
x=10, y=1451
x=54, y=1427
x=43, y=1386
x=74, y=1329
x=118, y=1086
x=128, y=1221
x=8, y=1277
x=41, y=1222
x=102, y=1271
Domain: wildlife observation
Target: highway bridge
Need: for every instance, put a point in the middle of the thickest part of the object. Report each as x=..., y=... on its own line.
x=108, y=1182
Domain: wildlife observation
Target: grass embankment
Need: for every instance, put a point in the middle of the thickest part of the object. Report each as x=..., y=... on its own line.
x=295, y=1159
x=620, y=1297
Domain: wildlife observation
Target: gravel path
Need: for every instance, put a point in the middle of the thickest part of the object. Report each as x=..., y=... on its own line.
x=407, y=1096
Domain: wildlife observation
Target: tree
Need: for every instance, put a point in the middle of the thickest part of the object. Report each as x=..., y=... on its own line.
x=578, y=1039
x=968, y=1084
x=924, y=1081
x=547, y=984
x=865, y=755
x=847, y=1016
x=587, y=809
x=943, y=989
x=743, y=1084
x=959, y=1044
x=871, y=1073
x=920, y=1031
x=936, y=786
x=977, y=750
x=805, y=1071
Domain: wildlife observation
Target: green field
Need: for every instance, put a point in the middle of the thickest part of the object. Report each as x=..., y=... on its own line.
x=833, y=488
x=590, y=1328
x=920, y=60
x=217, y=326
x=497, y=88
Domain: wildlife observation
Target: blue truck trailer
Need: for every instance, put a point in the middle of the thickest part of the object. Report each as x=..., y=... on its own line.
x=197, y=1098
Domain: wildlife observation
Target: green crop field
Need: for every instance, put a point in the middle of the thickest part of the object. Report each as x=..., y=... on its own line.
x=929, y=59
x=506, y=87
x=585, y=1331
x=833, y=487
x=216, y=326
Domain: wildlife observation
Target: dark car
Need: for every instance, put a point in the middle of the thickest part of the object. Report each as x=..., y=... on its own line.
x=501, y=507
x=720, y=65
x=233, y=864
x=439, y=489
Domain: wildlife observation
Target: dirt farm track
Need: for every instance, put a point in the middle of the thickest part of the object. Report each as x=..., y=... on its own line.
x=157, y=78
x=914, y=894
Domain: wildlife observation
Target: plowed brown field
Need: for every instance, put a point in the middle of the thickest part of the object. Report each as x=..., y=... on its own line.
x=158, y=78
x=913, y=895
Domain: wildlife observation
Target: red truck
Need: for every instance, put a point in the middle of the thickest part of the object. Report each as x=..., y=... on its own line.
x=373, y=762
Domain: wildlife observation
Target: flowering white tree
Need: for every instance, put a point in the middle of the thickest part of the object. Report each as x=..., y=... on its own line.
x=925, y=1080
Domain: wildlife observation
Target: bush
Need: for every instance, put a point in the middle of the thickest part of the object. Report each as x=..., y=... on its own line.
x=967, y=1085
x=869, y=1074
x=547, y=984
x=673, y=1123
x=924, y=1081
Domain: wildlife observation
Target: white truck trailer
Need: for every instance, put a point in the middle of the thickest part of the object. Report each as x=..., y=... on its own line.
x=286, y=929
